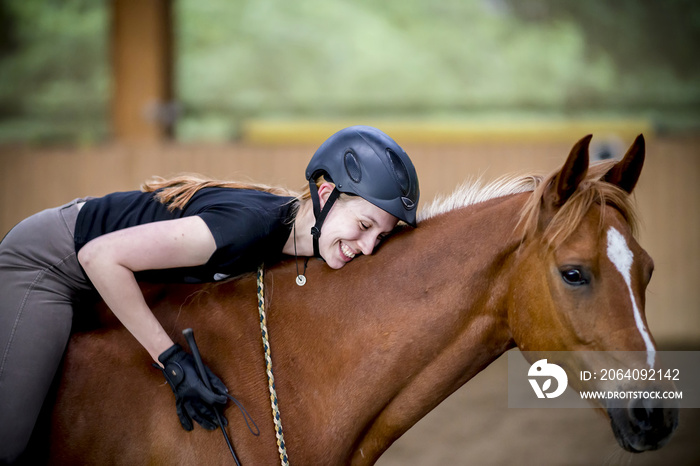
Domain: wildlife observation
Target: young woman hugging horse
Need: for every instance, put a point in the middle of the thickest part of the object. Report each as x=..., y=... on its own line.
x=187, y=230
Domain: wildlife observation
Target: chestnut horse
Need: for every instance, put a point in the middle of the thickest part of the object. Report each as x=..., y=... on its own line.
x=361, y=354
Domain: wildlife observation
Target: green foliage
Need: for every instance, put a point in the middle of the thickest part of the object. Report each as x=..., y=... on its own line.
x=238, y=59
x=637, y=34
x=53, y=72
x=318, y=58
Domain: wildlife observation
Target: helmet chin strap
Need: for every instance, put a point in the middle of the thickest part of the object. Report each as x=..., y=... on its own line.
x=320, y=214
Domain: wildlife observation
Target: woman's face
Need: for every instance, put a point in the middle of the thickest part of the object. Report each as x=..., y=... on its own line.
x=353, y=226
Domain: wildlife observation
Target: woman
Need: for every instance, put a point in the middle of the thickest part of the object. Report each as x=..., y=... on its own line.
x=182, y=230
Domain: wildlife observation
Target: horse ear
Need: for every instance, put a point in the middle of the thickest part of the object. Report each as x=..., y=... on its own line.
x=571, y=174
x=625, y=173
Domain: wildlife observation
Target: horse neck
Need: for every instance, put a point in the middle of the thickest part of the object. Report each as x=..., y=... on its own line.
x=432, y=319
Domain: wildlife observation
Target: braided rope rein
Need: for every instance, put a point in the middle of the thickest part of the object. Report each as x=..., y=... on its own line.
x=281, y=447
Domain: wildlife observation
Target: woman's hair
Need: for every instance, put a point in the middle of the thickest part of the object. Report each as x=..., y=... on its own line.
x=176, y=192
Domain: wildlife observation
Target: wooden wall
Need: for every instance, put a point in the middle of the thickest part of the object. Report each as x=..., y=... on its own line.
x=668, y=194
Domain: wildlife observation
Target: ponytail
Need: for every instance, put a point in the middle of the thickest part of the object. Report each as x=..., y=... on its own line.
x=176, y=192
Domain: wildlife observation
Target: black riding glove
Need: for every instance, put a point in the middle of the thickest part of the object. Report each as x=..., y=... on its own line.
x=193, y=400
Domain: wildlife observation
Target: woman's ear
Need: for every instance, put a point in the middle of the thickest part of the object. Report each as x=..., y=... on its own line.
x=324, y=191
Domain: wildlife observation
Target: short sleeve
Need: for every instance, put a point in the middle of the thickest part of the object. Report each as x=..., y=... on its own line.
x=235, y=227
x=249, y=228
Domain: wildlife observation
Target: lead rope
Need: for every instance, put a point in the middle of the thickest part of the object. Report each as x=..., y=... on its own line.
x=284, y=460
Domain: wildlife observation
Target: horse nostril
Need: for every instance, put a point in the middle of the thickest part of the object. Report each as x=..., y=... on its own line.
x=642, y=419
x=645, y=415
x=656, y=416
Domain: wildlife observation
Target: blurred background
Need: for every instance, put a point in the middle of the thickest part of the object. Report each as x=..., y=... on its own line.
x=98, y=95
x=221, y=63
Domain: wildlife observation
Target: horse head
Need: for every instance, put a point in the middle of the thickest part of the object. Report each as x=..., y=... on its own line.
x=578, y=284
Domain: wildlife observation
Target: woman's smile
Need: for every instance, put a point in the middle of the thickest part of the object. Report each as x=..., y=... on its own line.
x=347, y=253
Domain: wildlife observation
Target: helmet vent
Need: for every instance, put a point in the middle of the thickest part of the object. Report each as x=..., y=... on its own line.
x=352, y=166
x=400, y=170
x=408, y=203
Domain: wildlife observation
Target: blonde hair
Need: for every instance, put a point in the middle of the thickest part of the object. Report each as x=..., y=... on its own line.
x=176, y=192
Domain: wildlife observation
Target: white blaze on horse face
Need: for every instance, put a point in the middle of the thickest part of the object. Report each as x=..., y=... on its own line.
x=621, y=256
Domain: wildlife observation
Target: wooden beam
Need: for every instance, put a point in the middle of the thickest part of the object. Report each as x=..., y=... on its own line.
x=142, y=70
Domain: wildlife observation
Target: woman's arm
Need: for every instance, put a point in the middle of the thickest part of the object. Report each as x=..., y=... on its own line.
x=111, y=260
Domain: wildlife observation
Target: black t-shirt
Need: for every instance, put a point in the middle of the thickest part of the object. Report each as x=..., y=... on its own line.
x=250, y=227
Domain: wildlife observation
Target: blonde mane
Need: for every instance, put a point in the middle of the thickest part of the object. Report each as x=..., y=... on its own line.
x=565, y=221
x=475, y=191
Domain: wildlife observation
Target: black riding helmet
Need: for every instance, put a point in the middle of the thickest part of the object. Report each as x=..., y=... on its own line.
x=364, y=161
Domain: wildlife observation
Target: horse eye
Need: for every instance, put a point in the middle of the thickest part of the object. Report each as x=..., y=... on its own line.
x=573, y=277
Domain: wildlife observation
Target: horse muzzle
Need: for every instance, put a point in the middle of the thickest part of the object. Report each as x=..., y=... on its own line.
x=643, y=425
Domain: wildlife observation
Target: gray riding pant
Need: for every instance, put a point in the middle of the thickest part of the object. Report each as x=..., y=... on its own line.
x=40, y=278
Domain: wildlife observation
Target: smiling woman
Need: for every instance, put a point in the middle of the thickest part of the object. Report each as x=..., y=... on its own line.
x=354, y=226
x=184, y=230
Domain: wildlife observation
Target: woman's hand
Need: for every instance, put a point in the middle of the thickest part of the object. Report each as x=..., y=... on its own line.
x=193, y=400
x=111, y=260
